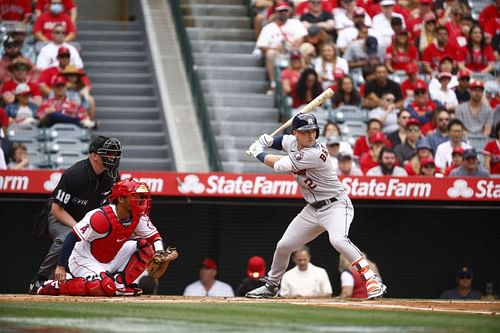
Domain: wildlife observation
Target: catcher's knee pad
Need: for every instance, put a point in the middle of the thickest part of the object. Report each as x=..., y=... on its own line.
x=73, y=287
x=104, y=286
x=50, y=287
x=136, y=264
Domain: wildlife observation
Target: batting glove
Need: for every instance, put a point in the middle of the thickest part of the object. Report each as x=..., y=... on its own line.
x=266, y=140
x=255, y=149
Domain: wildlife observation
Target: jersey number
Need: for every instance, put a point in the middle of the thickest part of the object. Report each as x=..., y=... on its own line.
x=310, y=183
x=63, y=196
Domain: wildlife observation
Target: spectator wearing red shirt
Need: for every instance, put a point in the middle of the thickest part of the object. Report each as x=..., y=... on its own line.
x=453, y=24
x=326, y=6
x=490, y=13
x=290, y=75
x=422, y=108
x=308, y=87
x=401, y=53
x=19, y=69
x=362, y=145
x=478, y=56
x=370, y=158
x=12, y=50
x=408, y=85
x=42, y=6
x=60, y=109
x=492, y=153
x=44, y=24
x=415, y=22
x=440, y=48
x=15, y=10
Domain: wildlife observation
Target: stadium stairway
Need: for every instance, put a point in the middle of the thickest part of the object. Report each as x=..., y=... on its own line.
x=233, y=80
x=115, y=55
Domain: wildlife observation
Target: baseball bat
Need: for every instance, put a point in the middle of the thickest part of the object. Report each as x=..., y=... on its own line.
x=320, y=99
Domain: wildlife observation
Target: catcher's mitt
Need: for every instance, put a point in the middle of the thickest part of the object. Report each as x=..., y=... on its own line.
x=161, y=259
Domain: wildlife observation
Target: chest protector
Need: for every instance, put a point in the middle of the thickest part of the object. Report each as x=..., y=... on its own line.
x=359, y=290
x=105, y=249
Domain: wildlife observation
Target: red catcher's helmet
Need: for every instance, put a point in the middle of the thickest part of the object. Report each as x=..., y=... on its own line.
x=140, y=196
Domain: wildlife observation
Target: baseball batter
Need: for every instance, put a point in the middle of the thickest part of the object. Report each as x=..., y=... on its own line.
x=329, y=208
x=110, y=247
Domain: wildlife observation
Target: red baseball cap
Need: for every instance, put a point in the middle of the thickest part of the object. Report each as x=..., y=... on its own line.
x=256, y=267
x=377, y=137
x=421, y=85
x=412, y=68
x=59, y=79
x=426, y=161
x=476, y=84
x=458, y=150
x=444, y=74
x=338, y=73
x=430, y=16
x=282, y=5
x=425, y=2
x=463, y=74
x=411, y=122
x=358, y=11
x=209, y=263
x=63, y=51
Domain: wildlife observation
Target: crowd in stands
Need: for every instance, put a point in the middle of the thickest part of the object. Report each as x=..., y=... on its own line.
x=42, y=81
x=424, y=74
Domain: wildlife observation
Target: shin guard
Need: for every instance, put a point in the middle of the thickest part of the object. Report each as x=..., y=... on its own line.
x=137, y=263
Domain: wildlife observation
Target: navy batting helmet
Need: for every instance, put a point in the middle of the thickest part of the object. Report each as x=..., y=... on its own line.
x=305, y=122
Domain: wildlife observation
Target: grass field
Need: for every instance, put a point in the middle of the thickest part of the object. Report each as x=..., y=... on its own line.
x=262, y=317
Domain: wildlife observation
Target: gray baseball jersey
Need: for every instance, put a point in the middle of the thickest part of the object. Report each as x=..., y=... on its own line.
x=313, y=170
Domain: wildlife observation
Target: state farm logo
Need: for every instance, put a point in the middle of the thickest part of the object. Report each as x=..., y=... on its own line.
x=460, y=189
x=50, y=184
x=191, y=183
x=155, y=184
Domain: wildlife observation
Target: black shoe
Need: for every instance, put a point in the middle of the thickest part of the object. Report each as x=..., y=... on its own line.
x=35, y=284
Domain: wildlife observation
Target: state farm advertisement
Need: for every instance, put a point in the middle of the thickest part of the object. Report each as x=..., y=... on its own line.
x=272, y=185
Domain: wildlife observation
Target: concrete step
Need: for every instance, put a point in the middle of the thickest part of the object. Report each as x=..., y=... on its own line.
x=149, y=164
x=221, y=22
x=236, y=60
x=219, y=46
x=220, y=34
x=108, y=25
x=127, y=113
x=124, y=89
x=245, y=167
x=99, y=35
x=225, y=141
x=131, y=78
x=214, y=10
x=114, y=56
x=243, y=114
x=117, y=66
x=125, y=101
x=239, y=100
x=231, y=73
x=146, y=151
x=134, y=125
x=135, y=138
x=243, y=128
x=258, y=87
x=130, y=46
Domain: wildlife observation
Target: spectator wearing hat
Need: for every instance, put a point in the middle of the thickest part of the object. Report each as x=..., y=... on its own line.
x=371, y=158
x=326, y=64
x=440, y=134
x=260, y=10
x=70, y=9
x=77, y=89
x=364, y=52
x=382, y=23
x=11, y=51
x=334, y=146
x=462, y=90
x=422, y=108
x=414, y=164
x=49, y=54
x=208, y=285
x=20, y=69
x=318, y=17
x=18, y=33
x=463, y=290
x=407, y=149
x=428, y=168
x=256, y=269
x=416, y=20
x=316, y=37
x=387, y=165
x=346, y=93
x=363, y=143
x=305, y=279
x=20, y=159
x=492, y=153
x=42, y=28
x=401, y=53
x=351, y=27
x=457, y=159
x=399, y=135
x=445, y=95
x=427, y=34
x=456, y=134
x=478, y=56
x=279, y=37
x=346, y=166
x=375, y=89
x=445, y=65
x=19, y=10
x=22, y=111
x=408, y=85
x=437, y=50
x=476, y=115
x=387, y=113
x=290, y=75
x=60, y=109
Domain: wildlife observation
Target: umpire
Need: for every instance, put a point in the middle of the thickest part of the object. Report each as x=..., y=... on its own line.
x=83, y=187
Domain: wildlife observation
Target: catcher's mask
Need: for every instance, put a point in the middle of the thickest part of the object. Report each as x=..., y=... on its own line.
x=110, y=151
x=140, y=196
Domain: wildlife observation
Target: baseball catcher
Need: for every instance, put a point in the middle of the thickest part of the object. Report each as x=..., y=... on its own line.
x=161, y=259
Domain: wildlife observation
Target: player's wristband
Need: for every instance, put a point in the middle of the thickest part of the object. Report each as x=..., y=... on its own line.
x=158, y=245
x=261, y=157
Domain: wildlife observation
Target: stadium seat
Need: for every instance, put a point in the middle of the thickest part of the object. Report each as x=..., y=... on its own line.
x=353, y=129
x=67, y=131
x=24, y=133
x=477, y=141
x=348, y=113
x=65, y=160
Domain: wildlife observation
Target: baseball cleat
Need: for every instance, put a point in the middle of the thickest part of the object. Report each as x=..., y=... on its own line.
x=132, y=290
x=377, y=292
x=35, y=284
x=268, y=290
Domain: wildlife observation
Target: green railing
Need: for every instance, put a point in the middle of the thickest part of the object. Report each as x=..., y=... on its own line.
x=284, y=110
x=196, y=89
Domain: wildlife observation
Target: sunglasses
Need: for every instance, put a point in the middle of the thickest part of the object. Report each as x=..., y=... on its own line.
x=420, y=92
x=414, y=129
x=58, y=32
x=429, y=166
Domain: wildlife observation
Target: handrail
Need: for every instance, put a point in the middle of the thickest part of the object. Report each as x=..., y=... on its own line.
x=196, y=89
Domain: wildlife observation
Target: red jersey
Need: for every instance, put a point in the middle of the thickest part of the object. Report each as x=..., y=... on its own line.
x=326, y=6
x=361, y=146
x=492, y=149
x=433, y=54
x=48, y=74
x=376, y=9
x=4, y=120
x=450, y=168
x=477, y=60
x=492, y=27
x=103, y=234
x=15, y=10
x=488, y=14
x=65, y=106
x=401, y=59
x=292, y=76
x=46, y=22
x=366, y=162
x=11, y=85
x=408, y=87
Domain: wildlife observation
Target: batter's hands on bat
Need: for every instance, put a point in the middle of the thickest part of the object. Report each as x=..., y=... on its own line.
x=255, y=149
x=266, y=140
x=60, y=274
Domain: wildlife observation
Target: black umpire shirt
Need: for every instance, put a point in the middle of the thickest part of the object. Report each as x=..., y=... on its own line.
x=80, y=190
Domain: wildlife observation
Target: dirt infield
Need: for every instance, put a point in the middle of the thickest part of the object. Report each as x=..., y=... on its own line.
x=452, y=306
